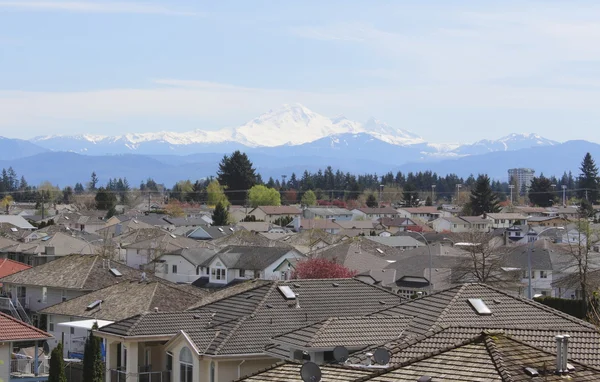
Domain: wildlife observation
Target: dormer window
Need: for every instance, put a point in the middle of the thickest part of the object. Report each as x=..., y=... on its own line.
x=217, y=273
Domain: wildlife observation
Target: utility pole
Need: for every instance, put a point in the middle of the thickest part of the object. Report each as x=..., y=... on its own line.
x=42, y=205
x=511, y=186
x=380, y=194
x=564, y=188
x=458, y=186
x=432, y=193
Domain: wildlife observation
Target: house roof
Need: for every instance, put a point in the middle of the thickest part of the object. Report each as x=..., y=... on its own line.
x=358, y=224
x=346, y=331
x=85, y=272
x=195, y=256
x=329, y=211
x=377, y=210
x=422, y=210
x=280, y=210
x=396, y=222
x=317, y=224
x=12, y=329
x=247, y=238
x=186, y=222
x=8, y=267
x=126, y=299
x=451, y=308
x=248, y=257
x=507, y=216
x=167, y=241
x=475, y=219
x=359, y=254
x=63, y=244
x=290, y=372
x=126, y=226
x=254, y=226
x=396, y=241
x=17, y=221
x=249, y=319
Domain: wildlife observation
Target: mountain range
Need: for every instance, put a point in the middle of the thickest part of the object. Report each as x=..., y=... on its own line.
x=289, y=139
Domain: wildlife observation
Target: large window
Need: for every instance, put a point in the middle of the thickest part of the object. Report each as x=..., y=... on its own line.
x=217, y=273
x=186, y=365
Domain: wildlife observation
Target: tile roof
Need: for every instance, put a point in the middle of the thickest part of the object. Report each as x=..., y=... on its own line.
x=346, y=331
x=12, y=329
x=422, y=210
x=327, y=211
x=85, y=272
x=8, y=267
x=378, y=210
x=247, y=238
x=451, y=308
x=248, y=257
x=280, y=210
x=62, y=244
x=194, y=256
x=356, y=224
x=17, y=221
x=126, y=299
x=290, y=371
x=396, y=241
x=359, y=254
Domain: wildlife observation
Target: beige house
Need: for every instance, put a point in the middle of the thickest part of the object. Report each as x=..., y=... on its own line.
x=271, y=213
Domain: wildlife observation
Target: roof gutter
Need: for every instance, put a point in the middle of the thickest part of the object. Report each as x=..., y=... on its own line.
x=165, y=337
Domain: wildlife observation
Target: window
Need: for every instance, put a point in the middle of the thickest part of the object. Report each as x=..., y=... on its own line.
x=217, y=273
x=174, y=269
x=532, y=274
x=543, y=274
x=51, y=323
x=186, y=365
x=242, y=273
x=63, y=295
x=44, y=295
x=212, y=371
x=148, y=358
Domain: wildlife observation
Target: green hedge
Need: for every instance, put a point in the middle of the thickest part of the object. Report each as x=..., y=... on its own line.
x=572, y=307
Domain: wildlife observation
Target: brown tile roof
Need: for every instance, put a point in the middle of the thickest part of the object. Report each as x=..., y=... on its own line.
x=85, y=272
x=126, y=299
x=346, y=331
x=280, y=210
x=319, y=224
x=12, y=329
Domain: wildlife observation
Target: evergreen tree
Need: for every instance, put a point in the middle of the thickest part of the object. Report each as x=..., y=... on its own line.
x=105, y=200
x=410, y=195
x=93, y=181
x=588, y=180
x=428, y=202
x=483, y=199
x=237, y=175
x=540, y=193
x=79, y=188
x=93, y=367
x=372, y=201
x=57, y=365
x=220, y=215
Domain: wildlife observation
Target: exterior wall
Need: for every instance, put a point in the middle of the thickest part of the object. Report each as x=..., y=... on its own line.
x=271, y=274
x=186, y=272
x=74, y=339
x=227, y=371
x=135, y=258
x=34, y=301
x=441, y=225
x=200, y=369
x=538, y=285
x=258, y=214
x=5, y=350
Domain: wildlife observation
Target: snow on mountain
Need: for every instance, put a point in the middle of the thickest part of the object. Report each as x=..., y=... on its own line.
x=389, y=134
x=510, y=142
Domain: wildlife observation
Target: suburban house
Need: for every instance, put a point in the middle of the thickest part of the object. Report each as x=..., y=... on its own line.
x=374, y=213
x=400, y=242
x=470, y=332
x=122, y=227
x=258, y=227
x=548, y=221
x=398, y=224
x=115, y=302
x=300, y=224
x=226, y=339
x=183, y=265
x=49, y=248
x=505, y=220
x=16, y=221
x=14, y=336
x=425, y=213
x=238, y=263
x=461, y=224
x=88, y=221
x=65, y=278
x=309, y=241
x=331, y=213
x=271, y=213
x=190, y=221
x=205, y=232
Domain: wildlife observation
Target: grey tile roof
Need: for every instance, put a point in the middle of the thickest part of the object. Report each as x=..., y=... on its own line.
x=247, y=238
x=248, y=257
x=126, y=299
x=194, y=256
x=396, y=241
x=346, y=331
x=280, y=210
x=451, y=308
x=162, y=323
x=84, y=272
x=378, y=210
x=359, y=254
x=290, y=371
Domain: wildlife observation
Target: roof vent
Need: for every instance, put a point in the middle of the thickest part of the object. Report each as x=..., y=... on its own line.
x=480, y=307
x=14, y=229
x=269, y=306
x=424, y=378
x=156, y=309
x=287, y=292
x=249, y=296
x=530, y=371
x=197, y=316
x=497, y=301
x=93, y=305
x=296, y=285
x=220, y=229
x=382, y=302
x=173, y=236
x=335, y=284
x=379, y=250
x=115, y=272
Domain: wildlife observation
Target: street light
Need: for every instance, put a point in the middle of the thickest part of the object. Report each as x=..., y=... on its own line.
x=430, y=257
x=530, y=249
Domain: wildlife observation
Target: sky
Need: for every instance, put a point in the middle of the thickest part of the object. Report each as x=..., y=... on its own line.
x=455, y=71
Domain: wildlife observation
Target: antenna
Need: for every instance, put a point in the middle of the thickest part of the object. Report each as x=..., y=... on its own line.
x=381, y=356
x=340, y=354
x=310, y=372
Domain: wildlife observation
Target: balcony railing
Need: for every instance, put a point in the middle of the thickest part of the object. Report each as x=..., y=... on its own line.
x=119, y=375
x=25, y=367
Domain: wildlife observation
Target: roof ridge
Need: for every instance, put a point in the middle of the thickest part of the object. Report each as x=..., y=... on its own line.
x=31, y=327
x=497, y=357
x=230, y=334
x=326, y=323
x=89, y=271
x=152, y=297
x=446, y=309
x=264, y=299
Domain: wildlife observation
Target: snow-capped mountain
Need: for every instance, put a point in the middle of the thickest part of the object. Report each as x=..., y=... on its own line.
x=289, y=125
x=510, y=142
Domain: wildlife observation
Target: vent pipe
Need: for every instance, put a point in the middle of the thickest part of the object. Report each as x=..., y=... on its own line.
x=565, y=353
x=559, y=353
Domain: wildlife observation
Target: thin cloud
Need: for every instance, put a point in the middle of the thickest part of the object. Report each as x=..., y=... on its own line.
x=100, y=7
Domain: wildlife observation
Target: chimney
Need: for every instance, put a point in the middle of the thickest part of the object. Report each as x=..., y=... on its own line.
x=559, y=353
x=565, y=353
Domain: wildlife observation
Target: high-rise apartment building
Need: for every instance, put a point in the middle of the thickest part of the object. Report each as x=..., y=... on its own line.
x=522, y=178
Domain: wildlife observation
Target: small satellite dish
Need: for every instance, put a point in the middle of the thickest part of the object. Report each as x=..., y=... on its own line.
x=381, y=356
x=340, y=354
x=310, y=372
x=46, y=347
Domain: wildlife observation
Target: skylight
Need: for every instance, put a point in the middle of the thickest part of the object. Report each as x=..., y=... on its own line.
x=14, y=229
x=173, y=236
x=287, y=292
x=480, y=307
x=93, y=305
x=115, y=272
x=231, y=229
x=47, y=238
x=220, y=229
x=379, y=250
x=66, y=218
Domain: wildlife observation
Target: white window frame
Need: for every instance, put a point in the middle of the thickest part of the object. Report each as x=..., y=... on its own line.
x=50, y=323
x=44, y=295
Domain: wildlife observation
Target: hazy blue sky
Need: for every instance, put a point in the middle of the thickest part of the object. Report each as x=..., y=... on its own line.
x=449, y=72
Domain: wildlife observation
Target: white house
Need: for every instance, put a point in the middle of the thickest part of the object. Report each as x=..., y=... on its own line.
x=183, y=265
x=374, y=213
x=425, y=213
x=505, y=220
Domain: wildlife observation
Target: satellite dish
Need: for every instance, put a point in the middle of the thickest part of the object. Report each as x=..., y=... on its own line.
x=46, y=347
x=310, y=372
x=340, y=354
x=381, y=356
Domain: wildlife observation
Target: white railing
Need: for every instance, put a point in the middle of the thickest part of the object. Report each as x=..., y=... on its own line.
x=26, y=367
x=118, y=375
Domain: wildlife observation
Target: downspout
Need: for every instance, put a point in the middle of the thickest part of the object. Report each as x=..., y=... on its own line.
x=240, y=368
